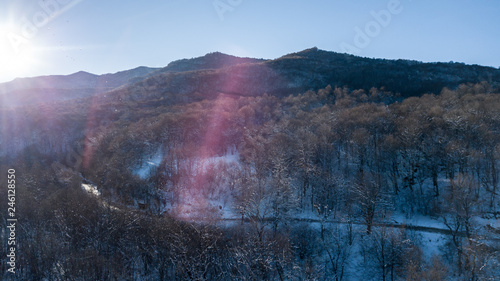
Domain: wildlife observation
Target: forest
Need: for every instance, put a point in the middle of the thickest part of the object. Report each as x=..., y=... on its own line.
x=334, y=183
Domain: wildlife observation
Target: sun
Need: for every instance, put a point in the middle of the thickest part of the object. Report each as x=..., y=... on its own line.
x=17, y=54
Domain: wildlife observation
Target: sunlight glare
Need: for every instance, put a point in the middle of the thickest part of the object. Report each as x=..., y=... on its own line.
x=15, y=62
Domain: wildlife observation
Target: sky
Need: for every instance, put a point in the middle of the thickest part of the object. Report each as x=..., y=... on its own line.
x=48, y=37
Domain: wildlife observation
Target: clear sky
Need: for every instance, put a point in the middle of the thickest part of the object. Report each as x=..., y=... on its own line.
x=45, y=37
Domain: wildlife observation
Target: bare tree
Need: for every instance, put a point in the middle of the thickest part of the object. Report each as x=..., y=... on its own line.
x=370, y=197
x=385, y=250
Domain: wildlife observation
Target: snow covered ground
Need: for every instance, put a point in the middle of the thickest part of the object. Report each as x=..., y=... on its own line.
x=419, y=220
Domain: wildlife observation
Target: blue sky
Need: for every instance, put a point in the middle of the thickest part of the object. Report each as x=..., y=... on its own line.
x=46, y=37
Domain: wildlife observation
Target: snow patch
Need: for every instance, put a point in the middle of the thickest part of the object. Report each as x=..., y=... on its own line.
x=91, y=189
x=148, y=165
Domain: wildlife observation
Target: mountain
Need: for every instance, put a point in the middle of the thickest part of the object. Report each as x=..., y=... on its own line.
x=207, y=76
x=46, y=89
x=219, y=158
x=311, y=69
x=318, y=68
x=214, y=60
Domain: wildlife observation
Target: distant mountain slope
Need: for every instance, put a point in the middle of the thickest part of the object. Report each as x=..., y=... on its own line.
x=47, y=89
x=23, y=91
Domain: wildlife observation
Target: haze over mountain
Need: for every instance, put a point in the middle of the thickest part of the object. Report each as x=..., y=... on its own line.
x=43, y=89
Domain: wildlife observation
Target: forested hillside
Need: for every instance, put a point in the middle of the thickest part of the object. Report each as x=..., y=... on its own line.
x=314, y=166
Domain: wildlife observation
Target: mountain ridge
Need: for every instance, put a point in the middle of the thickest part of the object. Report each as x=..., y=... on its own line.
x=309, y=69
